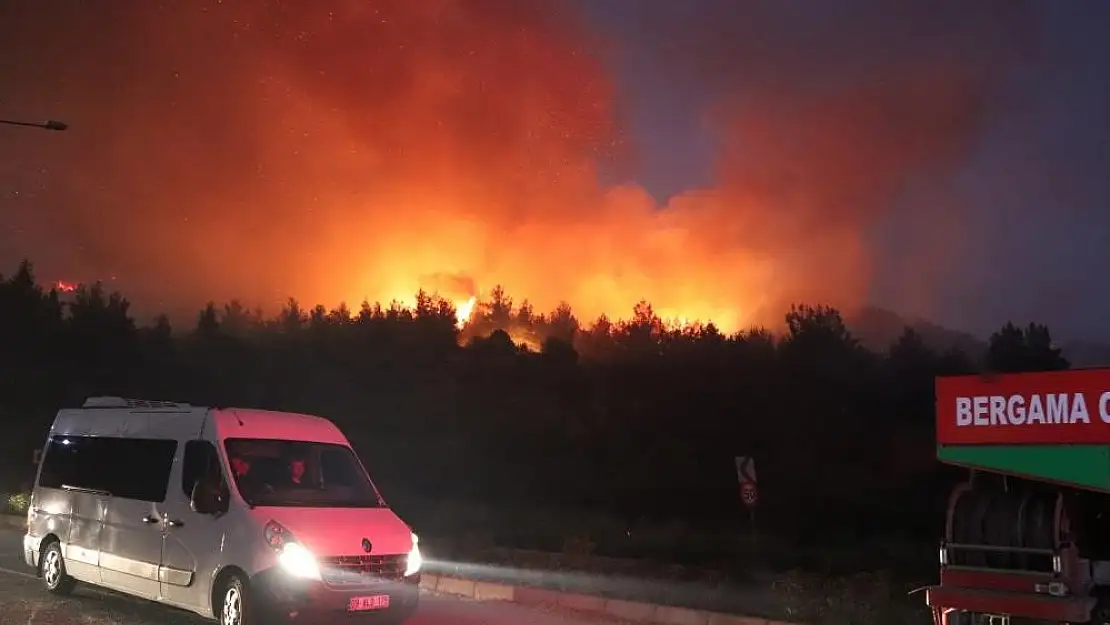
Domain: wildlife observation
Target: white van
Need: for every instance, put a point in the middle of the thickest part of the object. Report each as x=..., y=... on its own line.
x=245, y=516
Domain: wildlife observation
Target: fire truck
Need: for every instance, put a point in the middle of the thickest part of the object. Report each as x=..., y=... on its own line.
x=1027, y=532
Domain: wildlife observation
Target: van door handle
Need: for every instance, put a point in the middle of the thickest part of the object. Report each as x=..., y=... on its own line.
x=175, y=523
x=151, y=519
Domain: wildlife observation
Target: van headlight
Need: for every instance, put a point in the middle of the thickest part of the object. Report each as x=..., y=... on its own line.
x=415, y=560
x=292, y=556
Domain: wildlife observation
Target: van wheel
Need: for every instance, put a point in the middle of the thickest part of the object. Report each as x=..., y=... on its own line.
x=53, y=570
x=235, y=607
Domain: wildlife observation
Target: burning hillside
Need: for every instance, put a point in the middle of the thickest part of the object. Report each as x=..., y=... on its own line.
x=341, y=151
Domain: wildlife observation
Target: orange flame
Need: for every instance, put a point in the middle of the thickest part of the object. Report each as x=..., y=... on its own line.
x=452, y=144
x=463, y=311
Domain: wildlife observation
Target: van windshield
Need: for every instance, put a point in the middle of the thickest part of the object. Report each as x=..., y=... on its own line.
x=284, y=473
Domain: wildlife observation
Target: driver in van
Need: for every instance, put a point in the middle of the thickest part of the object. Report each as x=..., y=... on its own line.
x=248, y=481
x=240, y=466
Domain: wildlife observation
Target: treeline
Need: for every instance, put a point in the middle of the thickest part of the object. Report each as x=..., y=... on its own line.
x=632, y=417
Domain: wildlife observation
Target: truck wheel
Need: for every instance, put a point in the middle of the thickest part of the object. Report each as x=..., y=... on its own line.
x=53, y=570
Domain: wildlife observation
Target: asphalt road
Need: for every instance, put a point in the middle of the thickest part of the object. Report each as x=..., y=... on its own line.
x=24, y=602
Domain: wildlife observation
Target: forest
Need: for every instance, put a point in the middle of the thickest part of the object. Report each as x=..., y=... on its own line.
x=530, y=428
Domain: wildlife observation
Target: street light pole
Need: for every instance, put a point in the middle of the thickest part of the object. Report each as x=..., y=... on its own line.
x=50, y=124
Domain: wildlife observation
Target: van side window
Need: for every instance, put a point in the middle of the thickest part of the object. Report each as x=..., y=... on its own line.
x=202, y=463
x=130, y=468
x=74, y=461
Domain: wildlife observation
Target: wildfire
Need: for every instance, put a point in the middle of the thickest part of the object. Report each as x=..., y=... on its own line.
x=523, y=340
x=431, y=155
x=463, y=310
x=62, y=286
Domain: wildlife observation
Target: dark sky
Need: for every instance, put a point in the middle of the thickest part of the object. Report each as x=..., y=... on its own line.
x=944, y=159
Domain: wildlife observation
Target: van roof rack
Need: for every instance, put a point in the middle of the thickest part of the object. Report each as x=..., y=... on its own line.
x=123, y=402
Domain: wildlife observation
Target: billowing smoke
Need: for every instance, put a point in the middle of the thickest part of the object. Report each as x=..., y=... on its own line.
x=830, y=116
x=336, y=150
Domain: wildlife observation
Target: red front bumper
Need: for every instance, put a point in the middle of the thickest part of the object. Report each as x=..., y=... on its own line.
x=1023, y=604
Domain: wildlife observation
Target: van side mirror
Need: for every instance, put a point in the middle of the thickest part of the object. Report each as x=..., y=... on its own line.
x=207, y=500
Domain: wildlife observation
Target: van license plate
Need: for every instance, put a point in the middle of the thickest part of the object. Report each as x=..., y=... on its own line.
x=373, y=602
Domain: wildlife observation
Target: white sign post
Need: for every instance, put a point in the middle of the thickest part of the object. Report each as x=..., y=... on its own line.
x=749, y=489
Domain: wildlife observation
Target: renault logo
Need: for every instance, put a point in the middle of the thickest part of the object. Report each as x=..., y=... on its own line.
x=367, y=545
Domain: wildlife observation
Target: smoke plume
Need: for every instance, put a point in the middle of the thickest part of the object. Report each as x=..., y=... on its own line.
x=341, y=150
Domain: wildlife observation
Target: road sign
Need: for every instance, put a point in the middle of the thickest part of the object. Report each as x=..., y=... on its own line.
x=749, y=493
x=745, y=469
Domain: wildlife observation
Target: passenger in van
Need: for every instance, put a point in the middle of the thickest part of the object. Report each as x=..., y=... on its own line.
x=296, y=470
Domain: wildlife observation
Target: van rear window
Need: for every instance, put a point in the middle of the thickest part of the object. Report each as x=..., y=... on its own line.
x=130, y=468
